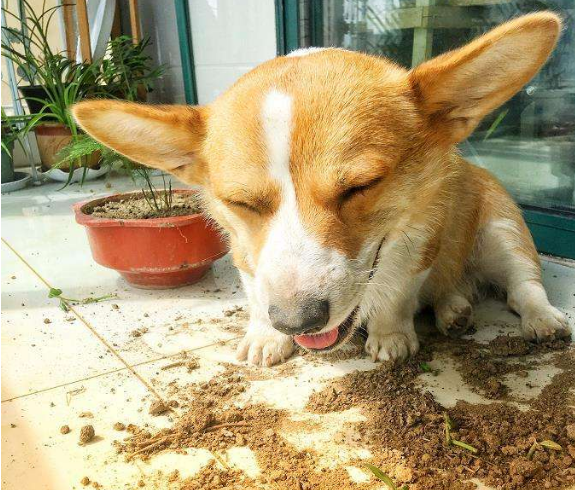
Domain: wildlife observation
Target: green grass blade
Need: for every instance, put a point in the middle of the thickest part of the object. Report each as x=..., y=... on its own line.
x=381, y=476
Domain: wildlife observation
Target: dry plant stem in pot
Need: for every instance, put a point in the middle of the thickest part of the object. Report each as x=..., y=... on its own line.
x=153, y=253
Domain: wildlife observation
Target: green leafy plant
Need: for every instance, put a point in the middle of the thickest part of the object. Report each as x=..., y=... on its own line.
x=66, y=302
x=126, y=71
x=64, y=81
x=380, y=475
x=84, y=145
x=16, y=128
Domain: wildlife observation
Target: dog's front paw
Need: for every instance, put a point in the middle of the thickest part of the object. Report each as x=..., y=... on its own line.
x=265, y=349
x=546, y=323
x=454, y=316
x=394, y=346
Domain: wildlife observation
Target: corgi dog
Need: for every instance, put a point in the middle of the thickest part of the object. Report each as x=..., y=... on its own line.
x=337, y=178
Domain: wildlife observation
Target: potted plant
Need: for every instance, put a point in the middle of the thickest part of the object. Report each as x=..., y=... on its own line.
x=58, y=82
x=155, y=238
x=14, y=128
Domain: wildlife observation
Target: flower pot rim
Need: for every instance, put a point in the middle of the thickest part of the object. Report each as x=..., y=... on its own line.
x=93, y=221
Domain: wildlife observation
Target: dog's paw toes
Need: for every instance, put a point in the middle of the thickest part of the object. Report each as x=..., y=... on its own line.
x=265, y=350
x=391, y=347
x=454, y=318
x=545, y=324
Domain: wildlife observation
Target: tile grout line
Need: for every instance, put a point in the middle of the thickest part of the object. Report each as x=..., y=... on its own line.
x=83, y=320
x=113, y=371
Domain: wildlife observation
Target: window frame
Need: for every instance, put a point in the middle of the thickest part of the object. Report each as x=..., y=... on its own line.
x=553, y=231
x=184, y=26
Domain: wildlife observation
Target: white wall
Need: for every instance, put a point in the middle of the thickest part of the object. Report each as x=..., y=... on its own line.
x=229, y=37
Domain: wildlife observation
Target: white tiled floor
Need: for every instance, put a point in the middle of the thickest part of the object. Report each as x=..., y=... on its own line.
x=89, y=360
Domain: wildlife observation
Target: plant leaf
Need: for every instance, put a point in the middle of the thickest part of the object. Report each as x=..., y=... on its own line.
x=464, y=445
x=495, y=124
x=551, y=445
x=64, y=306
x=532, y=450
x=426, y=368
x=381, y=476
x=54, y=293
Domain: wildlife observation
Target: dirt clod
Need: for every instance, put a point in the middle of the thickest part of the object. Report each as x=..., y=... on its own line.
x=64, y=429
x=119, y=426
x=158, y=407
x=506, y=345
x=87, y=433
x=85, y=481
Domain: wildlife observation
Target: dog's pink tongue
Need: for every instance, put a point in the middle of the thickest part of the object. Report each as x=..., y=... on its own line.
x=319, y=341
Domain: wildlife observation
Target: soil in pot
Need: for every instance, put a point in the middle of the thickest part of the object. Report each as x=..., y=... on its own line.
x=140, y=207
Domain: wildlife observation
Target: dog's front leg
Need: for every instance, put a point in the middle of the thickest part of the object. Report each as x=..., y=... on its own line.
x=391, y=334
x=262, y=344
x=392, y=301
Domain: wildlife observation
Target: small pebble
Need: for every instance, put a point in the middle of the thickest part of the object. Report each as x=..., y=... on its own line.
x=64, y=429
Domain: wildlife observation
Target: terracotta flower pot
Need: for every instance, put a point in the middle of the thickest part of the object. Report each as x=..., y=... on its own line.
x=51, y=138
x=158, y=253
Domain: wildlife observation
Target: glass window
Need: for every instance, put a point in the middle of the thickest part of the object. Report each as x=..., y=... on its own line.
x=529, y=143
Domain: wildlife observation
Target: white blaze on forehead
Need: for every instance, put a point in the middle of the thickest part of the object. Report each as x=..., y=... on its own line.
x=292, y=261
x=277, y=120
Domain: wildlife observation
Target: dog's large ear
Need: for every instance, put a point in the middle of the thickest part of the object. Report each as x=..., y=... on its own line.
x=164, y=137
x=457, y=89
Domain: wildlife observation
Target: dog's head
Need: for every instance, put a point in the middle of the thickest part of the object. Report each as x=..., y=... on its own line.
x=312, y=161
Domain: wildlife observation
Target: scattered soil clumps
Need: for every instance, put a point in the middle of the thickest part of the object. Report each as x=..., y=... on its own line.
x=403, y=418
x=212, y=477
x=140, y=207
x=483, y=367
x=404, y=427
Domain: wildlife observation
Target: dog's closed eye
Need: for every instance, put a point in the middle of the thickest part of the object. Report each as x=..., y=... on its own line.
x=353, y=191
x=244, y=205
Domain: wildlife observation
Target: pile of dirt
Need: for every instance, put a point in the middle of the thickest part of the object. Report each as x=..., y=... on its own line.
x=400, y=416
x=212, y=421
x=405, y=428
x=139, y=207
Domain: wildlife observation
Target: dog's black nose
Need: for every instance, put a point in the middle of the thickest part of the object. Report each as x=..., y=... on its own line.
x=306, y=317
